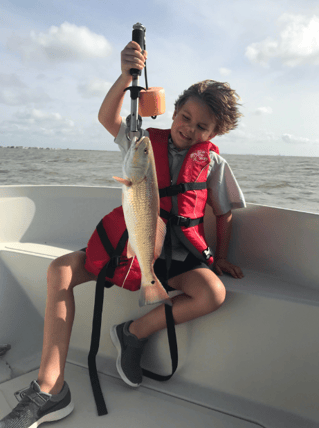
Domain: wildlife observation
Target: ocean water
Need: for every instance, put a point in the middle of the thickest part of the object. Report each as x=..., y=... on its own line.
x=279, y=181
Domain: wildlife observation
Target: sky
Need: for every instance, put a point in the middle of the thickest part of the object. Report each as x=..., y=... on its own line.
x=59, y=59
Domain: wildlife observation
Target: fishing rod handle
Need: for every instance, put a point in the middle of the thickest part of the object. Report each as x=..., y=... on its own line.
x=138, y=36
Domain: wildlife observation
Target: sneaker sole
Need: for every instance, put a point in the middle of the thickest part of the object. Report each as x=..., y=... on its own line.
x=117, y=344
x=55, y=416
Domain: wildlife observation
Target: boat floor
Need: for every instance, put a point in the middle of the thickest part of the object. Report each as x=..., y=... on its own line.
x=142, y=407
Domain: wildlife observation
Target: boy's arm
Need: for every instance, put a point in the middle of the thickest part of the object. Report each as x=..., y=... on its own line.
x=110, y=111
x=223, y=231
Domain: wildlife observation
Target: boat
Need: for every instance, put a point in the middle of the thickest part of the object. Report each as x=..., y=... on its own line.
x=252, y=363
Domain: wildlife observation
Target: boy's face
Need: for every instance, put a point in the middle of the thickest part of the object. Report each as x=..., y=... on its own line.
x=192, y=124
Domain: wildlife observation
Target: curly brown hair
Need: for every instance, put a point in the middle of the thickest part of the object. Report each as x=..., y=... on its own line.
x=220, y=98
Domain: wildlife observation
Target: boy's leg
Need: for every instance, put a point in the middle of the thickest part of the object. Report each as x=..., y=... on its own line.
x=64, y=274
x=203, y=293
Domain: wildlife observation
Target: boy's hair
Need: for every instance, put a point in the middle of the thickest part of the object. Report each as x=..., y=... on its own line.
x=220, y=98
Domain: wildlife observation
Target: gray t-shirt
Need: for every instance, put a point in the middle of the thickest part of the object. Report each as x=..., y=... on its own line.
x=224, y=193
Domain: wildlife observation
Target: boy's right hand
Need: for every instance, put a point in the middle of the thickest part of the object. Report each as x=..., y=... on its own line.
x=132, y=57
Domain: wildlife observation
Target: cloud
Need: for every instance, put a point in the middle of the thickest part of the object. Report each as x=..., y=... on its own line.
x=297, y=43
x=224, y=71
x=41, y=123
x=65, y=43
x=11, y=80
x=14, y=92
x=94, y=88
x=291, y=139
x=263, y=110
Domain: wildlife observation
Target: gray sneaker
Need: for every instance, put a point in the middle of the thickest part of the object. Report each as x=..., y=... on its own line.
x=36, y=407
x=129, y=349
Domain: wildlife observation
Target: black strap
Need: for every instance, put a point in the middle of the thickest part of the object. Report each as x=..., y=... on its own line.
x=104, y=239
x=114, y=254
x=179, y=220
x=95, y=343
x=107, y=271
x=97, y=321
x=175, y=189
x=172, y=347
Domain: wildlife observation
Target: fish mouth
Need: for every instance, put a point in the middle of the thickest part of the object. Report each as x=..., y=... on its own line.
x=138, y=142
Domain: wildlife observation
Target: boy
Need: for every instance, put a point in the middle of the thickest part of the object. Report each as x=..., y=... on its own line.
x=202, y=112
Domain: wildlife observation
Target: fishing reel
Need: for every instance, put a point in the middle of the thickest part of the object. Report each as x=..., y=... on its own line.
x=145, y=102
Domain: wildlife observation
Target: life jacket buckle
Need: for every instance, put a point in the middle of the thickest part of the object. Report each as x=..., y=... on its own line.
x=115, y=261
x=181, y=188
x=207, y=253
x=182, y=221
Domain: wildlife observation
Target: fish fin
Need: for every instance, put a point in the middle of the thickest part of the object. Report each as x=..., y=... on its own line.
x=150, y=294
x=129, y=252
x=160, y=237
x=124, y=181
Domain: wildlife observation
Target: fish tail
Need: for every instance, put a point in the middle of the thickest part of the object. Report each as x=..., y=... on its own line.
x=150, y=294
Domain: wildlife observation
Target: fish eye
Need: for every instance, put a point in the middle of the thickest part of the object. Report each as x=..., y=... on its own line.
x=145, y=151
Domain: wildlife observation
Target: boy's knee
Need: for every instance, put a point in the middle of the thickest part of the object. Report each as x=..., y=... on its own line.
x=214, y=296
x=220, y=295
x=55, y=267
x=69, y=270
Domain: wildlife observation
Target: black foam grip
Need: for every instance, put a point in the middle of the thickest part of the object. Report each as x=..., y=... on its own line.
x=138, y=37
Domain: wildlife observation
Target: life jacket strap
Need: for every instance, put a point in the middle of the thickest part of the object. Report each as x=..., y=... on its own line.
x=179, y=220
x=171, y=334
x=94, y=347
x=108, y=271
x=175, y=189
x=114, y=253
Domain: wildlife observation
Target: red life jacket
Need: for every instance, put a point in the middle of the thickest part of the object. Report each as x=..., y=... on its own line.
x=190, y=190
x=107, y=246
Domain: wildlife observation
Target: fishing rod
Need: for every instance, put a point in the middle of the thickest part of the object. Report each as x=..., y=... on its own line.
x=145, y=102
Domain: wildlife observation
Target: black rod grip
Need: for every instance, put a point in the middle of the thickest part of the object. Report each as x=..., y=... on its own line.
x=138, y=36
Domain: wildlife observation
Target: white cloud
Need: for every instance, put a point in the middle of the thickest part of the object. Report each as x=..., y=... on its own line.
x=297, y=43
x=224, y=71
x=263, y=110
x=11, y=80
x=291, y=139
x=14, y=92
x=65, y=43
x=39, y=122
x=94, y=88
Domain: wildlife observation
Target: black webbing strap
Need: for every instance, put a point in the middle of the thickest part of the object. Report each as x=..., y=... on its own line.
x=107, y=271
x=175, y=189
x=95, y=343
x=172, y=347
x=114, y=254
x=179, y=220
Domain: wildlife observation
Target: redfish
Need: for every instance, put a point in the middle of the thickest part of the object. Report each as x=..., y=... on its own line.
x=146, y=230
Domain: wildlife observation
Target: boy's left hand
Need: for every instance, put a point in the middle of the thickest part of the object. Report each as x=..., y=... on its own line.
x=223, y=265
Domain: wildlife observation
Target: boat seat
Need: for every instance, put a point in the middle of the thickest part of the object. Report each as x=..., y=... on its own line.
x=37, y=250
x=255, y=282
x=245, y=349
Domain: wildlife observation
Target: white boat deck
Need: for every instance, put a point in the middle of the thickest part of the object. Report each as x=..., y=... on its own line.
x=142, y=407
x=253, y=363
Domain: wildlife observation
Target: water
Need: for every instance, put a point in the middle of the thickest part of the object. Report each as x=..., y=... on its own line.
x=280, y=181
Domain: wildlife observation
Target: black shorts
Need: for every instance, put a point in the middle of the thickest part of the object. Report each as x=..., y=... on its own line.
x=177, y=268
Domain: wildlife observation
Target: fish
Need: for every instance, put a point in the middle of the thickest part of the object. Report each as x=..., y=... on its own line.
x=141, y=207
